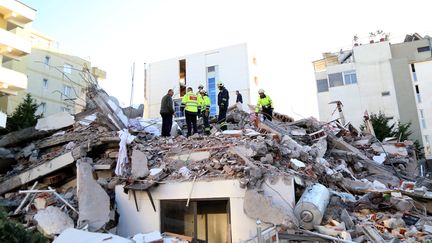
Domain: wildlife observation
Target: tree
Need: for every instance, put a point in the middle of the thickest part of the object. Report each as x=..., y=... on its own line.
x=24, y=115
x=381, y=125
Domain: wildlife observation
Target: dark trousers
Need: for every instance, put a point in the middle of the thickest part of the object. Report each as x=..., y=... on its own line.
x=191, y=122
x=222, y=119
x=268, y=113
x=167, y=120
x=206, y=123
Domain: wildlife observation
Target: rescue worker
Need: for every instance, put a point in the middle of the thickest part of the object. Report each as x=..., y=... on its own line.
x=205, y=111
x=223, y=102
x=190, y=107
x=200, y=87
x=265, y=105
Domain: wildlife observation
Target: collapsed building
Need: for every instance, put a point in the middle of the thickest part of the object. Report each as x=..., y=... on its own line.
x=104, y=177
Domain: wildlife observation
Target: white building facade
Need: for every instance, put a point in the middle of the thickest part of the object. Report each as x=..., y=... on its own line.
x=379, y=77
x=232, y=65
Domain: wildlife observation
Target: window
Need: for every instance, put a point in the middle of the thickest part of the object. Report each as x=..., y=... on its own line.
x=212, y=76
x=423, y=49
x=419, y=100
x=350, y=77
x=177, y=110
x=45, y=83
x=385, y=93
x=322, y=85
x=67, y=90
x=335, y=79
x=67, y=68
x=422, y=119
x=65, y=109
x=413, y=71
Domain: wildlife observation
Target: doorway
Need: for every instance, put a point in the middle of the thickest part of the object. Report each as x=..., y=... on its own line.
x=204, y=220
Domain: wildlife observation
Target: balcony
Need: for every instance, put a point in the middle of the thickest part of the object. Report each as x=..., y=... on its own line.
x=13, y=45
x=17, y=12
x=11, y=81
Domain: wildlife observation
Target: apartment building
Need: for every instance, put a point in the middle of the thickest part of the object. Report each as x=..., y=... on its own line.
x=232, y=65
x=57, y=80
x=379, y=77
x=14, y=18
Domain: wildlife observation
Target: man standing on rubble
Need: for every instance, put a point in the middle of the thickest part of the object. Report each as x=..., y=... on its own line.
x=239, y=97
x=190, y=106
x=265, y=105
x=205, y=110
x=167, y=112
x=223, y=102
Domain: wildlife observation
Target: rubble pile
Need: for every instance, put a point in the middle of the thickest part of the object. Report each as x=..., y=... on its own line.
x=349, y=186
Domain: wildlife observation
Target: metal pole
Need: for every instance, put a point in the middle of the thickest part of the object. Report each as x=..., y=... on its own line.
x=259, y=236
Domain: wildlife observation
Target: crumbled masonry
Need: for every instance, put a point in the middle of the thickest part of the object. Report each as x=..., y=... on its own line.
x=375, y=191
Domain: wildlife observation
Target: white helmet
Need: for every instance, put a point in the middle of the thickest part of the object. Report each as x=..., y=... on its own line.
x=261, y=91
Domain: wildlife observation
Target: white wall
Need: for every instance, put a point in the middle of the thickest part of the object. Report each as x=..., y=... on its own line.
x=233, y=65
x=374, y=76
x=424, y=81
x=242, y=227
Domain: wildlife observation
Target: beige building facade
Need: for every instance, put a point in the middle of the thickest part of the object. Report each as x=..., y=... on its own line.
x=14, y=18
x=57, y=80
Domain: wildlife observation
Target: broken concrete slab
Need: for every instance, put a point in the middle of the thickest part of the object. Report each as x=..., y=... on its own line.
x=233, y=133
x=72, y=235
x=258, y=206
x=22, y=136
x=390, y=149
x=36, y=172
x=55, y=121
x=192, y=156
x=319, y=148
x=297, y=164
x=52, y=221
x=93, y=201
x=139, y=164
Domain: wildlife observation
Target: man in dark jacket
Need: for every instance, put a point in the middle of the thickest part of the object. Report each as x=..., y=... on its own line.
x=167, y=112
x=223, y=102
x=239, y=97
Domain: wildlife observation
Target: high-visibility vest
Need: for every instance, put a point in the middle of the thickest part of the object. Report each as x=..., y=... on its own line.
x=205, y=103
x=264, y=102
x=190, y=102
x=200, y=101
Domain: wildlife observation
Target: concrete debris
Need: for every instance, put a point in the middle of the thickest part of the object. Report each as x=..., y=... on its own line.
x=93, y=201
x=139, y=164
x=258, y=206
x=360, y=190
x=52, y=221
x=74, y=235
x=55, y=121
x=297, y=164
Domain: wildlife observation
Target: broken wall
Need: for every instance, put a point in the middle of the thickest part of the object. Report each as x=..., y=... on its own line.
x=242, y=227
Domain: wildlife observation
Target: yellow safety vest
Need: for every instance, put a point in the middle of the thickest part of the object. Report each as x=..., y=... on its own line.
x=200, y=101
x=190, y=102
x=264, y=102
x=205, y=103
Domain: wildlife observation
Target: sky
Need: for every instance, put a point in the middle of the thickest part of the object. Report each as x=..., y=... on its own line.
x=285, y=36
